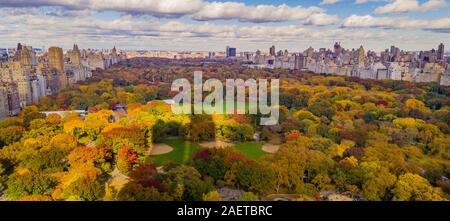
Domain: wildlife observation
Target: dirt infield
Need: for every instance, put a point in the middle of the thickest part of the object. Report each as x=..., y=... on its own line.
x=160, y=149
x=270, y=148
x=216, y=144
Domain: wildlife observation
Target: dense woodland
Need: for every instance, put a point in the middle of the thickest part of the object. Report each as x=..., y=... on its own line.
x=370, y=140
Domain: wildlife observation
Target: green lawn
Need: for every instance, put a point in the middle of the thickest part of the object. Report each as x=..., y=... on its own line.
x=182, y=152
x=252, y=150
x=237, y=106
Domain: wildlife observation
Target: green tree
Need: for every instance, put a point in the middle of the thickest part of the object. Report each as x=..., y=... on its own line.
x=29, y=184
x=136, y=192
x=11, y=134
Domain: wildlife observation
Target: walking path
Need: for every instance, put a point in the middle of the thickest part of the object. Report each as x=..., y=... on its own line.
x=118, y=180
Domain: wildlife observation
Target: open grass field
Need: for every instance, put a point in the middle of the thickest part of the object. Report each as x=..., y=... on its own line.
x=253, y=150
x=238, y=105
x=182, y=151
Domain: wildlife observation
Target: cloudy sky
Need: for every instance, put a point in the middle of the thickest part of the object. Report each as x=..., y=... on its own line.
x=211, y=25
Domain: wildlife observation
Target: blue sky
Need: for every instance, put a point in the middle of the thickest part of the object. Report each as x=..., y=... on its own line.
x=211, y=25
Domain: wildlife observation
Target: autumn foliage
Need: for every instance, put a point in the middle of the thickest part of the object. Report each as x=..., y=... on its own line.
x=337, y=135
x=127, y=159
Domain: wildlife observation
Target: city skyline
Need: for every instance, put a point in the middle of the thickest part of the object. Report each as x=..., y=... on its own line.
x=264, y=50
x=197, y=25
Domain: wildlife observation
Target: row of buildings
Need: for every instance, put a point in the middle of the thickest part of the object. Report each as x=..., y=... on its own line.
x=393, y=63
x=27, y=74
x=169, y=54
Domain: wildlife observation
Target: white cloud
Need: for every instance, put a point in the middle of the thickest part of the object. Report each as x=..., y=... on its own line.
x=197, y=9
x=321, y=19
x=161, y=8
x=259, y=13
x=433, y=4
x=76, y=21
x=47, y=27
x=329, y=2
x=358, y=2
x=402, y=6
x=368, y=21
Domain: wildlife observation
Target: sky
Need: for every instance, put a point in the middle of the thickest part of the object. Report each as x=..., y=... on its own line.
x=203, y=25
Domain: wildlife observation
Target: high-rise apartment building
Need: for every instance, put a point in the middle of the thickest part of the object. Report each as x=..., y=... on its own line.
x=13, y=99
x=4, y=107
x=441, y=52
x=56, y=59
x=16, y=72
x=286, y=55
x=337, y=48
x=75, y=55
x=300, y=62
x=361, y=55
x=114, y=56
x=25, y=57
x=272, y=50
x=56, y=65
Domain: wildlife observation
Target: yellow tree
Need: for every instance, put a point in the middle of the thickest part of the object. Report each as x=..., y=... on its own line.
x=411, y=104
x=64, y=142
x=70, y=126
x=378, y=181
x=95, y=122
x=412, y=187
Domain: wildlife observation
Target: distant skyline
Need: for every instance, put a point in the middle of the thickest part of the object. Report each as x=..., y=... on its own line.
x=248, y=25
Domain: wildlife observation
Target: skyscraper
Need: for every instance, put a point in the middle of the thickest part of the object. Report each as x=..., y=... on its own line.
x=4, y=107
x=75, y=55
x=337, y=49
x=230, y=52
x=19, y=75
x=300, y=61
x=395, y=53
x=25, y=57
x=56, y=64
x=440, y=52
x=18, y=52
x=56, y=59
x=114, y=51
x=286, y=54
x=272, y=50
x=114, y=55
x=361, y=55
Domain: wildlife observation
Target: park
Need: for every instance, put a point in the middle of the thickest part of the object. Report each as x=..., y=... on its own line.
x=177, y=150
